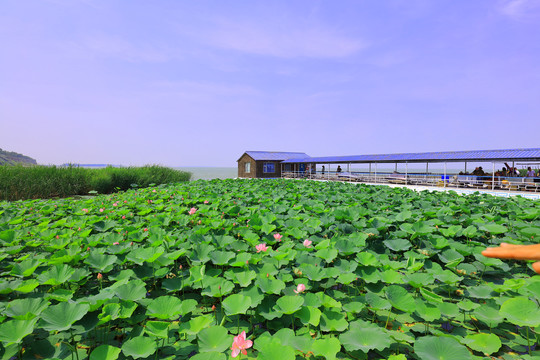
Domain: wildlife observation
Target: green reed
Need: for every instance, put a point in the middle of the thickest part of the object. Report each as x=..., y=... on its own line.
x=36, y=182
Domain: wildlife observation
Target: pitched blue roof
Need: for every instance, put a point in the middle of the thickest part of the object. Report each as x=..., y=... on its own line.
x=531, y=154
x=275, y=155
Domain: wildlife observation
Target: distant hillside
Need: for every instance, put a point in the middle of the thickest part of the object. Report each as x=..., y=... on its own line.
x=10, y=158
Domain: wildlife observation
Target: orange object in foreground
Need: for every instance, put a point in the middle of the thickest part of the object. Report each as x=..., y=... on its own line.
x=516, y=252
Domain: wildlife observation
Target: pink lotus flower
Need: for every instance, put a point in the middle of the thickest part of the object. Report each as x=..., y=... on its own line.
x=240, y=344
x=115, y=204
x=123, y=216
x=101, y=210
x=99, y=276
x=261, y=247
x=116, y=243
x=192, y=211
x=145, y=229
x=278, y=236
x=300, y=288
x=206, y=201
x=85, y=210
x=307, y=243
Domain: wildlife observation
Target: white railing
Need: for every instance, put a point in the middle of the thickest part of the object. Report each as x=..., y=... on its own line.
x=489, y=182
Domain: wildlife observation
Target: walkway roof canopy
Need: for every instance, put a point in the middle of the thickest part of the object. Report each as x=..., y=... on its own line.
x=532, y=154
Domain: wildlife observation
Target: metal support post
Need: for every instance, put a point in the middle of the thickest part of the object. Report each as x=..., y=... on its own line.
x=444, y=177
x=493, y=178
x=406, y=172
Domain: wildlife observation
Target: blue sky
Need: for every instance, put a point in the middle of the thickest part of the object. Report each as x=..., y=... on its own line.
x=197, y=83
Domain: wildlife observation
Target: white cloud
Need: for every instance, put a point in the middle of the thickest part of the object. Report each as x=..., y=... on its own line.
x=521, y=9
x=283, y=40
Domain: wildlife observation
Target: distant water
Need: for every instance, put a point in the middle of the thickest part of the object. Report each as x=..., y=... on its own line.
x=209, y=173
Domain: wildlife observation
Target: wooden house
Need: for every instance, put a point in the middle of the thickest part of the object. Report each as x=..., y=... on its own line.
x=264, y=164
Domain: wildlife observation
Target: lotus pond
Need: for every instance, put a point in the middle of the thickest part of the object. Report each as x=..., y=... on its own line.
x=306, y=269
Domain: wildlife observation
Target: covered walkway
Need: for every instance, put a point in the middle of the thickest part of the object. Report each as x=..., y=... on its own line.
x=500, y=172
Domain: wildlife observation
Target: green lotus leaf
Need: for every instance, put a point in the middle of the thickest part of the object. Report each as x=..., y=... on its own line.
x=159, y=329
x=244, y=278
x=25, y=268
x=521, y=311
x=56, y=275
x=288, y=338
x=494, y=229
x=26, y=309
x=328, y=348
x=309, y=315
x=236, y=304
x=467, y=305
x=209, y=356
x=440, y=348
x=451, y=256
x=269, y=285
x=139, y=347
x=365, y=339
x=333, y=321
x=165, y=307
x=427, y=311
x=60, y=317
x=391, y=277
x=26, y=286
x=254, y=293
x=218, y=288
x=240, y=260
x=327, y=254
x=484, y=343
x=274, y=350
x=289, y=304
x=404, y=215
x=133, y=290
x=267, y=228
x=367, y=259
x=314, y=273
x=376, y=302
x=418, y=279
x=346, y=278
x=448, y=309
x=354, y=307
x=489, y=315
x=221, y=257
x=13, y=331
x=398, y=244
x=530, y=232
x=101, y=262
x=109, y=312
x=173, y=284
x=430, y=296
x=105, y=352
x=397, y=357
x=196, y=324
x=214, y=338
x=400, y=298
x=480, y=292
x=448, y=277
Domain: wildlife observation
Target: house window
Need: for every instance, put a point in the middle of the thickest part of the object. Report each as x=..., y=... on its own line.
x=247, y=167
x=269, y=168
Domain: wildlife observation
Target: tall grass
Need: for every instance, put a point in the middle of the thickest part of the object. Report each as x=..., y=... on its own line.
x=35, y=182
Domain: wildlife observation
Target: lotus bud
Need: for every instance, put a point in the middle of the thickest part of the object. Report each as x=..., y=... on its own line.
x=99, y=276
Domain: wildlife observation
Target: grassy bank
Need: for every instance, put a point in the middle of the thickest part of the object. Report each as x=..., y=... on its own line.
x=35, y=182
